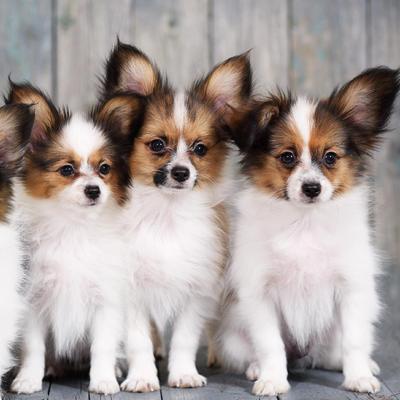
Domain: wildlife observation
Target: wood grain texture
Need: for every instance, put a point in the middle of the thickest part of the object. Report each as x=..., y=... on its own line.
x=26, y=42
x=384, y=45
x=43, y=394
x=174, y=33
x=240, y=25
x=220, y=385
x=86, y=31
x=65, y=389
x=328, y=44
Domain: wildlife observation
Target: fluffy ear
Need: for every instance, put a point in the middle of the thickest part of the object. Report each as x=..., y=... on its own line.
x=366, y=103
x=47, y=117
x=263, y=114
x=228, y=86
x=15, y=129
x=130, y=70
x=120, y=116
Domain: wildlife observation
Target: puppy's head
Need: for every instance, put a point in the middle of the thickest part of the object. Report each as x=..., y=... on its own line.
x=70, y=159
x=181, y=137
x=15, y=125
x=310, y=151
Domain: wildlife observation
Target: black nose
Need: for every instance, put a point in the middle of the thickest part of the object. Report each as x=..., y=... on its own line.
x=180, y=174
x=311, y=189
x=92, y=192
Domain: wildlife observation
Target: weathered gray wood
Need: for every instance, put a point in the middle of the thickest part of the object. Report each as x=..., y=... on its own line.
x=220, y=385
x=328, y=43
x=133, y=396
x=387, y=351
x=87, y=30
x=240, y=25
x=174, y=33
x=43, y=394
x=26, y=42
x=316, y=385
x=384, y=46
x=67, y=389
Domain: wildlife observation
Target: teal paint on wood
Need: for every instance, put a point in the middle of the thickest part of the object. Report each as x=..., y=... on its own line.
x=328, y=43
x=174, y=34
x=26, y=42
x=384, y=45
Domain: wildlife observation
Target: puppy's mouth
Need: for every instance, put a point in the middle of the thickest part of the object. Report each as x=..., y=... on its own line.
x=92, y=203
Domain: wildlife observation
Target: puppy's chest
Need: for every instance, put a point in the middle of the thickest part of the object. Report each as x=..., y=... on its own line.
x=79, y=258
x=305, y=254
x=174, y=249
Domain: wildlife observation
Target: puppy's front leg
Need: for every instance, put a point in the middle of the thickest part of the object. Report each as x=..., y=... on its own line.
x=184, y=344
x=106, y=336
x=263, y=326
x=142, y=374
x=31, y=373
x=359, y=309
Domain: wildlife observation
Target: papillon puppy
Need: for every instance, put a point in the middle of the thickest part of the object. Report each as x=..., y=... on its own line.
x=70, y=193
x=15, y=125
x=303, y=276
x=175, y=220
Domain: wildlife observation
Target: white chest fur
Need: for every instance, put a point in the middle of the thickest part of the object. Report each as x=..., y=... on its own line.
x=300, y=257
x=76, y=265
x=11, y=257
x=175, y=248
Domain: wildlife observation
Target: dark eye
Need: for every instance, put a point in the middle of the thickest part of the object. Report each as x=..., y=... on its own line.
x=104, y=169
x=200, y=149
x=67, y=170
x=330, y=159
x=157, y=146
x=288, y=158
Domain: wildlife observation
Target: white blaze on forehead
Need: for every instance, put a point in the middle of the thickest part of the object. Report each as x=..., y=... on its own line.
x=302, y=115
x=81, y=136
x=180, y=110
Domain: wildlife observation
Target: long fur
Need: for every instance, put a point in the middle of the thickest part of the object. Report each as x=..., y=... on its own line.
x=302, y=284
x=76, y=267
x=15, y=125
x=174, y=228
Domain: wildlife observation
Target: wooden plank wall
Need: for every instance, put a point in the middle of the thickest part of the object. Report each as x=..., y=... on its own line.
x=308, y=45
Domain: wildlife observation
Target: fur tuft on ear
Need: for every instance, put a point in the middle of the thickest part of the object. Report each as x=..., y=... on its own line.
x=48, y=118
x=120, y=116
x=227, y=88
x=15, y=128
x=366, y=103
x=130, y=70
x=264, y=112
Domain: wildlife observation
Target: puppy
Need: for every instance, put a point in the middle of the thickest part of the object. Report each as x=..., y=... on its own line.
x=302, y=279
x=15, y=124
x=175, y=221
x=70, y=193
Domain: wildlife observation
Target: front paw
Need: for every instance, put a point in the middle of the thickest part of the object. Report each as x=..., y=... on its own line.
x=104, y=386
x=186, y=380
x=253, y=372
x=270, y=387
x=363, y=384
x=141, y=384
x=26, y=383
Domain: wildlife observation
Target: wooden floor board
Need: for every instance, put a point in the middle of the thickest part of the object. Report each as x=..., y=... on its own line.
x=42, y=395
x=68, y=389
